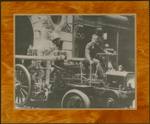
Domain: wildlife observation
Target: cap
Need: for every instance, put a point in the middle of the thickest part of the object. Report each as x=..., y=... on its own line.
x=54, y=35
x=95, y=35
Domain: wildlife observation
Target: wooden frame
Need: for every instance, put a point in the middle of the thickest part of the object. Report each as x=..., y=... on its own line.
x=141, y=115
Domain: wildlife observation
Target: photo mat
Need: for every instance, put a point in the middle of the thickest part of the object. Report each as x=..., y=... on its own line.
x=52, y=61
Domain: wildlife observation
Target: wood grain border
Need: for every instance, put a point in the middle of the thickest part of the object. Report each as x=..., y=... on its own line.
x=140, y=8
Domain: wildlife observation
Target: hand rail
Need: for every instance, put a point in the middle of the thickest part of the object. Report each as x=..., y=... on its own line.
x=42, y=58
x=111, y=54
x=77, y=59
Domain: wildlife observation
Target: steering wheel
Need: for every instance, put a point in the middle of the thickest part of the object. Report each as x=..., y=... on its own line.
x=107, y=55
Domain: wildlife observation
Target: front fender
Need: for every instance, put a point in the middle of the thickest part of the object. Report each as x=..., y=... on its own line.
x=88, y=90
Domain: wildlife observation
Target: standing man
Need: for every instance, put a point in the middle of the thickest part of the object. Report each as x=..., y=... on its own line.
x=55, y=38
x=91, y=50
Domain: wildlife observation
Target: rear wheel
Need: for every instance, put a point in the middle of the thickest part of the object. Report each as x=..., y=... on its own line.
x=75, y=99
x=22, y=85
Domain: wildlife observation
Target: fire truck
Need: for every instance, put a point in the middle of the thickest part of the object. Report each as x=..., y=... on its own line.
x=43, y=80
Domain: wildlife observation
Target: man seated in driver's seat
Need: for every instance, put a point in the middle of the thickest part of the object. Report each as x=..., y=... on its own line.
x=91, y=50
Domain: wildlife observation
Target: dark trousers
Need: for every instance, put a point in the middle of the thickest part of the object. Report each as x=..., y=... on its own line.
x=93, y=67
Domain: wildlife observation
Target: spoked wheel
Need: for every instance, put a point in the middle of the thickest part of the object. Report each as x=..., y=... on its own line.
x=22, y=85
x=75, y=99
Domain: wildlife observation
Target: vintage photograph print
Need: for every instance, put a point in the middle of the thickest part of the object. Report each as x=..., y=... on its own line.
x=74, y=61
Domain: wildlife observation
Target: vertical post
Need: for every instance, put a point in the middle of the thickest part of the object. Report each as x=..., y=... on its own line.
x=90, y=73
x=75, y=30
x=117, y=50
x=73, y=37
x=106, y=66
x=48, y=66
x=81, y=72
x=23, y=61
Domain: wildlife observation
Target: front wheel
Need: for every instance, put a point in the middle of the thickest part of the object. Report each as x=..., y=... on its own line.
x=110, y=99
x=75, y=99
x=22, y=85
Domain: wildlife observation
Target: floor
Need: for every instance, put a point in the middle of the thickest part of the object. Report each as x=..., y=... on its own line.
x=47, y=105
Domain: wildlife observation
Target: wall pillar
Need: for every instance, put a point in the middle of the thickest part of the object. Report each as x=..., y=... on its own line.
x=117, y=50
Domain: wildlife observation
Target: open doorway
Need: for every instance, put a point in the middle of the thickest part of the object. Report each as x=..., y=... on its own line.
x=110, y=39
x=23, y=35
x=110, y=44
x=127, y=50
x=83, y=37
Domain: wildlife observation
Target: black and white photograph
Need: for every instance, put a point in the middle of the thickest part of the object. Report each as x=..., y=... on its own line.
x=75, y=61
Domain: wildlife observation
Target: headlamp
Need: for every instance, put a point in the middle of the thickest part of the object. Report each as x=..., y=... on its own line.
x=131, y=81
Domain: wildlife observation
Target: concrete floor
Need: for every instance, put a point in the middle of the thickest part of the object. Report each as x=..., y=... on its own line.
x=48, y=105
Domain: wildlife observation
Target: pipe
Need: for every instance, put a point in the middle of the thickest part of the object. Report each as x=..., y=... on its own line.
x=44, y=58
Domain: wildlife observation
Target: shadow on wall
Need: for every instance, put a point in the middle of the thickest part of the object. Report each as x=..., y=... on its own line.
x=23, y=35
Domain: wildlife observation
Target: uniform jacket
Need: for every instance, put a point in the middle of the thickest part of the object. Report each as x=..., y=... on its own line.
x=92, y=49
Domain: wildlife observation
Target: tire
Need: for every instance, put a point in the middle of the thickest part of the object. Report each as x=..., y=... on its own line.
x=75, y=99
x=110, y=99
x=22, y=85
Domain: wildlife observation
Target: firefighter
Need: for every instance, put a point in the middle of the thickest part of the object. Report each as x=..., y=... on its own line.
x=91, y=50
x=55, y=38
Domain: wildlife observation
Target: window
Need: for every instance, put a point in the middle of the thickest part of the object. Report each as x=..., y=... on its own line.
x=56, y=19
